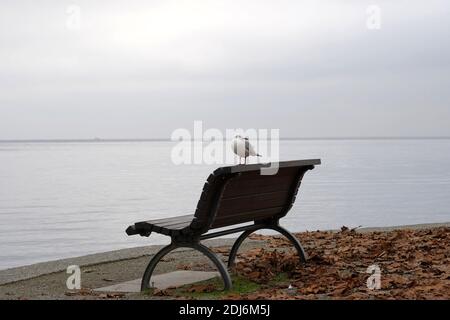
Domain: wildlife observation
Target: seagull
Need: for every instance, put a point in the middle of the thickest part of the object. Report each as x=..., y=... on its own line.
x=242, y=147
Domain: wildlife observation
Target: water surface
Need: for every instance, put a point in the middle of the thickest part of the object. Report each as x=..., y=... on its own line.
x=67, y=199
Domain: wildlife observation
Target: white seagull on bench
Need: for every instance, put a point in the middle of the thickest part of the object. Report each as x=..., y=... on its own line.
x=243, y=149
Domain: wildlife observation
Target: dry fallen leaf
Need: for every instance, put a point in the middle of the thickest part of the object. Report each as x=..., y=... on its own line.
x=414, y=265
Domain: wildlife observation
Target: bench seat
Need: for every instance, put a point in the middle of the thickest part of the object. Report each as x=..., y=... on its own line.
x=168, y=226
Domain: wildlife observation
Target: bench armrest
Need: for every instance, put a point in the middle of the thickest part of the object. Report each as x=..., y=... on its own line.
x=131, y=231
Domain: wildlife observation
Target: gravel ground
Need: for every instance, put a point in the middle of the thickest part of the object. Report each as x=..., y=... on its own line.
x=96, y=275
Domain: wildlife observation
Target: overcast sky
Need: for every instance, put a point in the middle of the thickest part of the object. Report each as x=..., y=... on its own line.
x=141, y=69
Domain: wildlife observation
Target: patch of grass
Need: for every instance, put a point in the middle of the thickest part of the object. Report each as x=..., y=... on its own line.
x=148, y=292
x=240, y=286
x=280, y=279
x=213, y=288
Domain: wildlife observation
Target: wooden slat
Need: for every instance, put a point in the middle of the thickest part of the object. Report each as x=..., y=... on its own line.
x=282, y=172
x=256, y=186
x=207, y=200
x=174, y=222
x=165, y=226
x=259, y=194
x=170, y=219
x=178, y=226
x=252, y=202
x=246, y=216
x=257, y=167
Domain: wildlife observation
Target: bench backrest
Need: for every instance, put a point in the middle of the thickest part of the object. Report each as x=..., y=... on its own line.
x=239, y=194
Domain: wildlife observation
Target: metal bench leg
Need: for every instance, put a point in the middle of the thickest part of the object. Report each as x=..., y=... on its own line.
x=301, y=252
x=145, y=284
x=219, y=264
x=236, y=245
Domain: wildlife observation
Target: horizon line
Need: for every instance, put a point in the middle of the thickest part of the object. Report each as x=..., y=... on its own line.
x=170, y=140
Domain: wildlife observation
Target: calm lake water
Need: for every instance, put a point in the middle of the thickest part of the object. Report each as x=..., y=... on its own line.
x=61, y=200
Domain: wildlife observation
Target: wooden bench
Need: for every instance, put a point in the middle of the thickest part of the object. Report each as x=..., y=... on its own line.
x=231, y=196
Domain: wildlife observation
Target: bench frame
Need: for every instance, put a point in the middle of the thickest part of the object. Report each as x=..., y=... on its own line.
x=195, y=244
x=193, y=239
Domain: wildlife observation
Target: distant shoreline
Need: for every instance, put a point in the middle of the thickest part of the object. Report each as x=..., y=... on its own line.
x=96, y=140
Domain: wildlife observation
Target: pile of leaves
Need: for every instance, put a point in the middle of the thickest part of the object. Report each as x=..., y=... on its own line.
x=412, y=264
